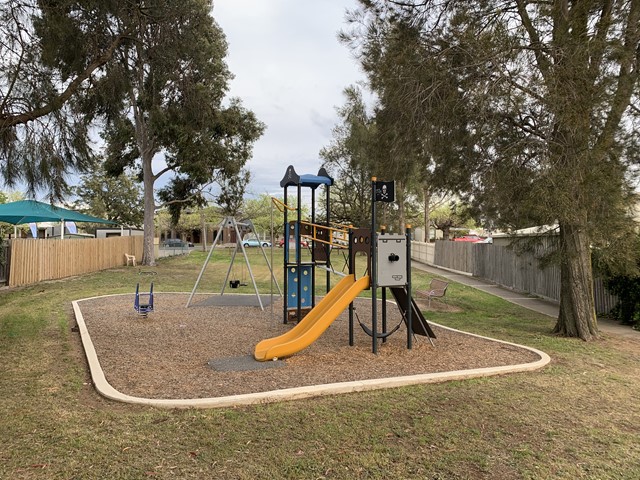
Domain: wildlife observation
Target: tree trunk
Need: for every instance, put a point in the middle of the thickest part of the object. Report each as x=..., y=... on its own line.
x=203, y=231
x=427, y=200
x=577, y=316
x=148, y=252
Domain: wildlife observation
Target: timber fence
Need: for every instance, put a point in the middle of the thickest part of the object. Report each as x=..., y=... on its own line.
x=37, y=260
x=504, y=266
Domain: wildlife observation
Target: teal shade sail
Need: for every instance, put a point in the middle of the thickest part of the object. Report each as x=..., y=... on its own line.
x=28, y=211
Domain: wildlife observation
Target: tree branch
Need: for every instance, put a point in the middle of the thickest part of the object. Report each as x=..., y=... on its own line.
x=8, y=121
x=534, y=38
x=599, y=39
x=627, y=78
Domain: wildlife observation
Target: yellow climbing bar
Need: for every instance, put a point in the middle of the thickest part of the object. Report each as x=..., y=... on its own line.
x=280, y=205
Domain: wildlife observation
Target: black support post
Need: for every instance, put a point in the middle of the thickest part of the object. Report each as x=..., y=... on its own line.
x=374, y=271
x=298, y=257
x=313, y=255
x=409, y=301
x=285, y=247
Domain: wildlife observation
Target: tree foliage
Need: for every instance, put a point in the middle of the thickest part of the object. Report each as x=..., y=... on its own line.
x=230, y=200
x=262, y=212
x=50, y=53
x=528, y=108
x=348, y=159
x=451, y=215
x=151, y=75
x=118, y=199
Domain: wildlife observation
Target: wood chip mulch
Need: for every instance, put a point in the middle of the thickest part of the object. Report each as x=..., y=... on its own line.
x=166, y=355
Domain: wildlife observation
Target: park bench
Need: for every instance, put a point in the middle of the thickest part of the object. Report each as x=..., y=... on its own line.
x=437, y=289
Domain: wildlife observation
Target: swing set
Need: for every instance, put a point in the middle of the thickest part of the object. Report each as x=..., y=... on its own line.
x=240, y=229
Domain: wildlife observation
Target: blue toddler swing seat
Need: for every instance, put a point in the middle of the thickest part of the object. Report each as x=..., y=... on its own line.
x=143, y=309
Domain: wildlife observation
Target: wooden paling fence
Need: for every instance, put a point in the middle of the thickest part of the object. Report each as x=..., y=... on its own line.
x=36, y=260
x=504, y=266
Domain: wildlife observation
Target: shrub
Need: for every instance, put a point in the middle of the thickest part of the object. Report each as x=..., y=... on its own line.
x=627, y=289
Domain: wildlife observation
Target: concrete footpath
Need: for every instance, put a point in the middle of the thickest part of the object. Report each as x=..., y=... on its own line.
x=537, y=304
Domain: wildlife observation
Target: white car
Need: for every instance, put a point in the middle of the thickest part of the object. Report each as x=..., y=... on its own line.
x=254, y=242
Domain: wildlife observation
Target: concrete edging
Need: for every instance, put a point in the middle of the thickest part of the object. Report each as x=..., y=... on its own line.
x=105, y=389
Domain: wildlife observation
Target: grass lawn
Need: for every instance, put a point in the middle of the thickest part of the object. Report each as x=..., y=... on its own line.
x=578, y=418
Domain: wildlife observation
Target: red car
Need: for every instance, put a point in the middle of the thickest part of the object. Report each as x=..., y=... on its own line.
x=303, y=243
x=469, y=238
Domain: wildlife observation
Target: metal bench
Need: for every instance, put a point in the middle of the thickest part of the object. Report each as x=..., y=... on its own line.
x=437, y=289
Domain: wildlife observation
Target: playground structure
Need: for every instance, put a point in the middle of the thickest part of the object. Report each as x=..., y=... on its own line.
x=388, y=267
x=240, y=229
x=143, y=303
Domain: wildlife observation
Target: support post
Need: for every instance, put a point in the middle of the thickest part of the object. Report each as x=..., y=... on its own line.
x=327, y=246
x=215, y=242
x=285, y=246
x=409, y=300
x=374, y=271
x=296, y=241
x=313, y=253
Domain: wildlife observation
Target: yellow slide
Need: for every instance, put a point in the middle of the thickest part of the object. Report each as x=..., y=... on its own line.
x=314, y=323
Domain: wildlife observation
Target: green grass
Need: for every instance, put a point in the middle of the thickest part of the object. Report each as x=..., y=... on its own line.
x=577, y=418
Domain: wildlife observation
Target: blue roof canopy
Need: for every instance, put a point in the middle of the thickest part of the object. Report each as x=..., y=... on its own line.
x=307, y=180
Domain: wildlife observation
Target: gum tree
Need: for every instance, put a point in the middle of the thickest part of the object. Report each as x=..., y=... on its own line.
x=164, y=105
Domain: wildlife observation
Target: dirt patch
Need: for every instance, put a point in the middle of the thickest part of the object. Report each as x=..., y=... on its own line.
x=166, y=355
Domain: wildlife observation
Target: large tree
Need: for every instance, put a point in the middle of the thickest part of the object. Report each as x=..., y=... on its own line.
x=349, y=159
x=164, y=104
x=544, y=94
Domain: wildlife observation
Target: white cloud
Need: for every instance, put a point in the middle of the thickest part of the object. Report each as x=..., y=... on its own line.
x=290, y=70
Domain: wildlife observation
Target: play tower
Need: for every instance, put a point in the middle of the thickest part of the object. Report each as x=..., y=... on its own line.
x=388, y=269
x=299, y=278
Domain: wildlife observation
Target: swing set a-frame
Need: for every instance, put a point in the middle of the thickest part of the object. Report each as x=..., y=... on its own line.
x=240, y=229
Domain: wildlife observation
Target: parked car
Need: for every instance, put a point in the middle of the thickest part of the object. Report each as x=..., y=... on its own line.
x=254, y=242
x=469, y=238
x=303, y=243
x=173, y=243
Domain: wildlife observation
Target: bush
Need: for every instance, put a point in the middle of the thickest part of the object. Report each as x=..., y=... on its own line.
x=627, y=289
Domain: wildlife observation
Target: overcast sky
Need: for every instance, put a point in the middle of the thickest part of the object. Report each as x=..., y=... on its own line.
x=290, y=70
